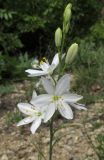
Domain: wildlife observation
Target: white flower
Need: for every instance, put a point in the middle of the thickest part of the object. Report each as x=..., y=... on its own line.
x=58, y=97
x=33, y=115
x=45, y=67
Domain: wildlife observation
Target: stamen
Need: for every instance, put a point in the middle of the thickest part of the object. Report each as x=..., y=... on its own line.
x=38, y=114
x=56, y=98
x=44, y=60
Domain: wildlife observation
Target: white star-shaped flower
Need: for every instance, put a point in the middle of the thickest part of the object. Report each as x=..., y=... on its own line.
x=34, y=115
x=58, y=97
x=44, y=68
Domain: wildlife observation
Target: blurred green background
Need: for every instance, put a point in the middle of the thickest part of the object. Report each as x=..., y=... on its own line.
x=27, y=31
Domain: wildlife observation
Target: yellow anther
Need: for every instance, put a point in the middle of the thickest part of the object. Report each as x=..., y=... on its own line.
x=41, y=62
x=44, y=60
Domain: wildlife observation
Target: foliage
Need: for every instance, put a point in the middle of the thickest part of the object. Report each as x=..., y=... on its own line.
x=7, y=15
x=9, y=40
x=100, y=147
x=97, y=30
x=90, y=70
x=6, y=89
x=13, y=67
x=13, y=117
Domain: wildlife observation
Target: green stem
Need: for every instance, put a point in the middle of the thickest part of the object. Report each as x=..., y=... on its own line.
x=60, y=54
x=51, y=139
x=64, y=67
x=63, y=42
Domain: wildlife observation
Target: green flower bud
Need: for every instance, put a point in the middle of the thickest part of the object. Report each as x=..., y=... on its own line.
x=58, y=37
x=69, y=6
x=67, y=17
x=72, y=52
x=67, y=13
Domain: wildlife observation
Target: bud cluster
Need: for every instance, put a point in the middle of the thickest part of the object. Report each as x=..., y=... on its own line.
x=60, y=37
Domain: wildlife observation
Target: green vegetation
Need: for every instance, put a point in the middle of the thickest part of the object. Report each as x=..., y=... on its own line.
x=6, y=89
x=100, y=147
x=13, y=67
x=13, y=117
x=89, y=70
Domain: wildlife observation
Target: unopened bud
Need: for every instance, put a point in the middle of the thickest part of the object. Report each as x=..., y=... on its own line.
x=69, y=6
x=67, y=13
x=58, y=37
x=67, y=17
x=72, y=52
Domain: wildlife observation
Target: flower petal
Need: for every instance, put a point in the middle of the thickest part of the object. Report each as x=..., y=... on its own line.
x=35, y=125
x=33, y=72
x=49, y=112
x=44, y=66
x=71, y=97
x=48, y=86
x=26, y=120
x=65, y=110
x=78, y=106
x=41, y=101
x=34, y=95
x=63, y=85
x=26, y=108
x=55, y=61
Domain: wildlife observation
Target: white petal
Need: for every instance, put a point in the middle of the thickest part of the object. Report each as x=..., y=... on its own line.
x=55, y=61
x=49, y=112
x=71, y=97
x=44, y=66
x=35, y=125
x=26, y=120
x=48, y=86
x=41, y=101
x=33, y=72
x=65, y=110
x=63, y=85
x=26, y=108
x=78, y=106
x=34, y=95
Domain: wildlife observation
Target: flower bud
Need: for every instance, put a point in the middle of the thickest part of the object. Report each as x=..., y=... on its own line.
x=58, y=37
x=66, y=18
x=67, y=13
x=69, y=6
x=72, y=51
